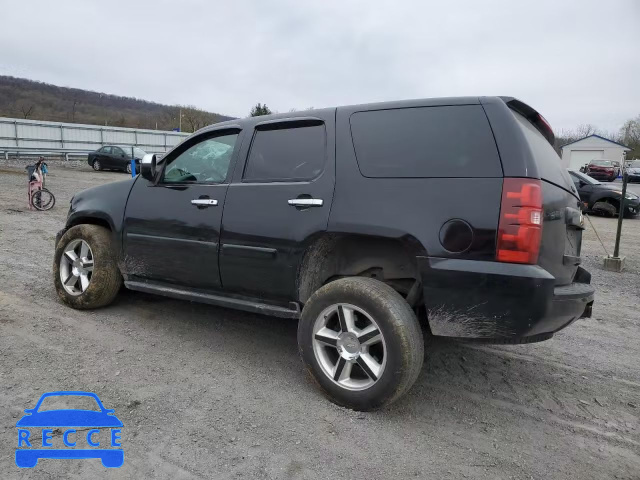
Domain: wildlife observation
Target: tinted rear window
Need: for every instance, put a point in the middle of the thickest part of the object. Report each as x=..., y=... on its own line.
x=547, y=160
x=287, y=154
x=450, y=141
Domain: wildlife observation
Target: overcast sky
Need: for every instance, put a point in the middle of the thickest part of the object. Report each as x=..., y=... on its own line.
x=576, y=61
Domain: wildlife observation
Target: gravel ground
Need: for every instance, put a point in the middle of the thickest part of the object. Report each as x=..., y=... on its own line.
x=207, y=392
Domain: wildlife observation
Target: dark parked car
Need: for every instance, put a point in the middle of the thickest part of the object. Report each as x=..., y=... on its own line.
x=603, y=199
x=114, y=157
x=634, y=171
x=602, y=170
x=366, y=222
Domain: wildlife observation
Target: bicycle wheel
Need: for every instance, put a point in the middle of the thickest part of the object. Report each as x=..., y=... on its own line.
x=43, y=199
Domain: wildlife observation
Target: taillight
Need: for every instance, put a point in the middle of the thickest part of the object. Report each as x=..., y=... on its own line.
x=520, y=227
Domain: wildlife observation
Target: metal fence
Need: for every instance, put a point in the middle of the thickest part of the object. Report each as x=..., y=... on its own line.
x=33, y=137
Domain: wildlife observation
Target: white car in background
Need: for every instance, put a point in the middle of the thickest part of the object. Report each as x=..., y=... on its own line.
x=633, y=171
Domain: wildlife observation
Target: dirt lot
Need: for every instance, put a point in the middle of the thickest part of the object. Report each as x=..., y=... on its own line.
x=206, y=392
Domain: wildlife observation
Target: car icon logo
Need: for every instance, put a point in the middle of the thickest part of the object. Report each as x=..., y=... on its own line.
x=79, y=427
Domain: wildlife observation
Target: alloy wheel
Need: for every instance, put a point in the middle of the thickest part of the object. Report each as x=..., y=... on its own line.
x=96, y=164
x=349, y=346
x=76, y=267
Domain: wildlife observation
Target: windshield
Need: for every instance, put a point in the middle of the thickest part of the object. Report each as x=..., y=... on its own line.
x=635, y=164
x=64, y=402
x=585, y=178
x=138, y=152
x=601, y=163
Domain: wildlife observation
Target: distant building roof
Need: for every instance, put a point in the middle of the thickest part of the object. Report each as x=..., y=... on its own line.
x=597, y=136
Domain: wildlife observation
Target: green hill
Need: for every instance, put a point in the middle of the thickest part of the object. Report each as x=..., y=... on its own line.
x=23, y=98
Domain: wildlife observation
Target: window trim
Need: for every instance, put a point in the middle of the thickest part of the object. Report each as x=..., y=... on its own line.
x=192, y=141
x=282, y=124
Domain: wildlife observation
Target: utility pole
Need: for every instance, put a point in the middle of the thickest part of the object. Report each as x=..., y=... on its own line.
x=180, y=121
x=616, y=262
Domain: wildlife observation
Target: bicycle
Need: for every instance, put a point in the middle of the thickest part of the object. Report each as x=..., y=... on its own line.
x=38, y=196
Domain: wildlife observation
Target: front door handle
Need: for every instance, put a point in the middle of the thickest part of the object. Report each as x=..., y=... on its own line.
x=306, y=202
x=204, y=202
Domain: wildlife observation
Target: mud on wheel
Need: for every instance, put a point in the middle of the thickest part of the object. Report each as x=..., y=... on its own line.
x=361, y=343
x=85, y=270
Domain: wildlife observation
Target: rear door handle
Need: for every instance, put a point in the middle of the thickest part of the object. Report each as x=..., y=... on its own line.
x=306, y=202
x=204, y=202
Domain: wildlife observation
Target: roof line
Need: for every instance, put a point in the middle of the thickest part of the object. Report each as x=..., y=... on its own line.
x=594, y=135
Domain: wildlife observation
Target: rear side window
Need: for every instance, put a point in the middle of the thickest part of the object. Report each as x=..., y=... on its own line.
x=295, y=152
x=546, y=158
x=450, y=141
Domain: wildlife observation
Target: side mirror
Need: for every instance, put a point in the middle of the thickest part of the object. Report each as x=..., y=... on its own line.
x=148, y=167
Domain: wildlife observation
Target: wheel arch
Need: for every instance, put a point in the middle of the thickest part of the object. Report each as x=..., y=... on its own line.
x=336, y=255
x=605, y=197
x=91, y=220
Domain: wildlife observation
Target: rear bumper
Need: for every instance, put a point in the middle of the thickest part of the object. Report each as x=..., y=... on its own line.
x=500, y=301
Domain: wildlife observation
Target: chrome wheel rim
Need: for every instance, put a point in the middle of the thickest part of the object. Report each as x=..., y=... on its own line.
x=76, y=267
x=96, y=165
x=349, y=346
x=128, y=168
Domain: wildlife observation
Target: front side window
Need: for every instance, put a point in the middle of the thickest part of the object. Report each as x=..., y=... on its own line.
x=118, y=151
x=204, y=162
x=577, y=177
x=296, y=152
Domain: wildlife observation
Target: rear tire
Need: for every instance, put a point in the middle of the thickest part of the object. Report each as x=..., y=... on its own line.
x=96, y=165
x=105, y=279
x=376, y=306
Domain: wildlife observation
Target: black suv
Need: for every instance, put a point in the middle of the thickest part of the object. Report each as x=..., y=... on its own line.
x=369, y=223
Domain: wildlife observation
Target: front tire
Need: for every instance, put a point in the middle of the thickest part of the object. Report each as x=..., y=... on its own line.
x=606, y=208
x=85, y=269
x=128, y=168
x=361, y=343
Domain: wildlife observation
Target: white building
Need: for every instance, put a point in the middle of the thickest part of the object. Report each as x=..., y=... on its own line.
x=594, y=147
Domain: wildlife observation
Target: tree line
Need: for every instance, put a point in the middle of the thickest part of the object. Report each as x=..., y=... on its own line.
x=28, y=99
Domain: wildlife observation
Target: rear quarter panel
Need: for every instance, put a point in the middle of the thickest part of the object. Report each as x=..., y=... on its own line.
x=411, y=209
